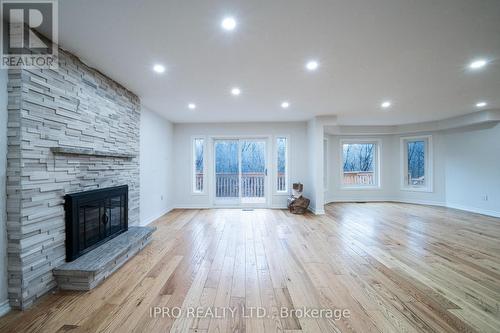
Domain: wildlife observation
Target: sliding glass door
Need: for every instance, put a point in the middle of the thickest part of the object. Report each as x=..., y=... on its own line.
x=253, y=171
x=240, y=171
x=227, y=170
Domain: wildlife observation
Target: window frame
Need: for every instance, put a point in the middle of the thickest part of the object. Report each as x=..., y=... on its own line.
x=377, y=164
x=326, y=164
x=429, y=163
x=193, y=166
x=287, y=165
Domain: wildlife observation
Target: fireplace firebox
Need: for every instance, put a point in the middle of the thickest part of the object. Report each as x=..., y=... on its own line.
x=94, y=217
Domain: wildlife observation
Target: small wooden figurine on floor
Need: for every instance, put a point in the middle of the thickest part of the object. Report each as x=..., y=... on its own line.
x=297, y=204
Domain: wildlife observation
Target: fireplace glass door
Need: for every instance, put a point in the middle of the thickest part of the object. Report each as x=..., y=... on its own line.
x=94, y=217
x=100, y=219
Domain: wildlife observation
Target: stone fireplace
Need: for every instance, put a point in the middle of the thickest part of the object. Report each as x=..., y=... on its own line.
x=69, y=131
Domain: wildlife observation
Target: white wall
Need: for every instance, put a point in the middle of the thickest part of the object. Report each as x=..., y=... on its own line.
x=184, y=133
x=466, y=168
x=3, y=214
x=315, y=185
x=388, y=165
x=473, y=170
x=451, y=164
x=438, y=195
x=390, y=174
x=156, y=163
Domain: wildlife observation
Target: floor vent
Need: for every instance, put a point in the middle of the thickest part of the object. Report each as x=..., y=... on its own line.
x=247, y=209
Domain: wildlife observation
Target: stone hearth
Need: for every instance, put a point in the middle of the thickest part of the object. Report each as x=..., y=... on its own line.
x=93, y=268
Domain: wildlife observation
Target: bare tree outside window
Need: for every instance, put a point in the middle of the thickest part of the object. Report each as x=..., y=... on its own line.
x=416, y=163
x=240, y=169
x=359, y=163
x=198, y=147
x=281, y=147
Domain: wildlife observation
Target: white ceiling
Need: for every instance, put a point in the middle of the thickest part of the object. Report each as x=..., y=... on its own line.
x=413, y=52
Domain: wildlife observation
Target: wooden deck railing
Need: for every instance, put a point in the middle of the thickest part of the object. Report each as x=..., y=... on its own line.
x=281, y=183
x=420, y=181
x=252, y=185
x=359, y=178
x=227, y=185
x=198, y=182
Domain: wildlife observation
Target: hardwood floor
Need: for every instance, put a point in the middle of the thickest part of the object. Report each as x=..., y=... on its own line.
x=394, y=267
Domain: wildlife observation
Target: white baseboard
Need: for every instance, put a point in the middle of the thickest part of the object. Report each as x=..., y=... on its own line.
x=154, y=218
x=188, y=206
x=408, y=201
x=278, y=207
x=320, y=211
x=422, y=202
x=487, y=212
x=227, y=207
x=428, y=203
x=4, y=308
x=354, y=201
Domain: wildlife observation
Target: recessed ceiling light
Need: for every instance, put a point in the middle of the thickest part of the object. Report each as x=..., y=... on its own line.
x=192, y=106
x=386, y=104
x=159, y=68
x=479, y=63
x=285, y=105
x=228, y=23
x=312, y=65
x=235, y=91
x=481, y=104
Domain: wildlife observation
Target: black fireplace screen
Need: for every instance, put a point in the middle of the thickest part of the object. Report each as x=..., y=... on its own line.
x=94, y=217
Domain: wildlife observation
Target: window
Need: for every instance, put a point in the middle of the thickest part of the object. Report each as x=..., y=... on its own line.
x=416, y=157
x=360, y=164
x=325, y=164
x=198, y=165
x=282, y=164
